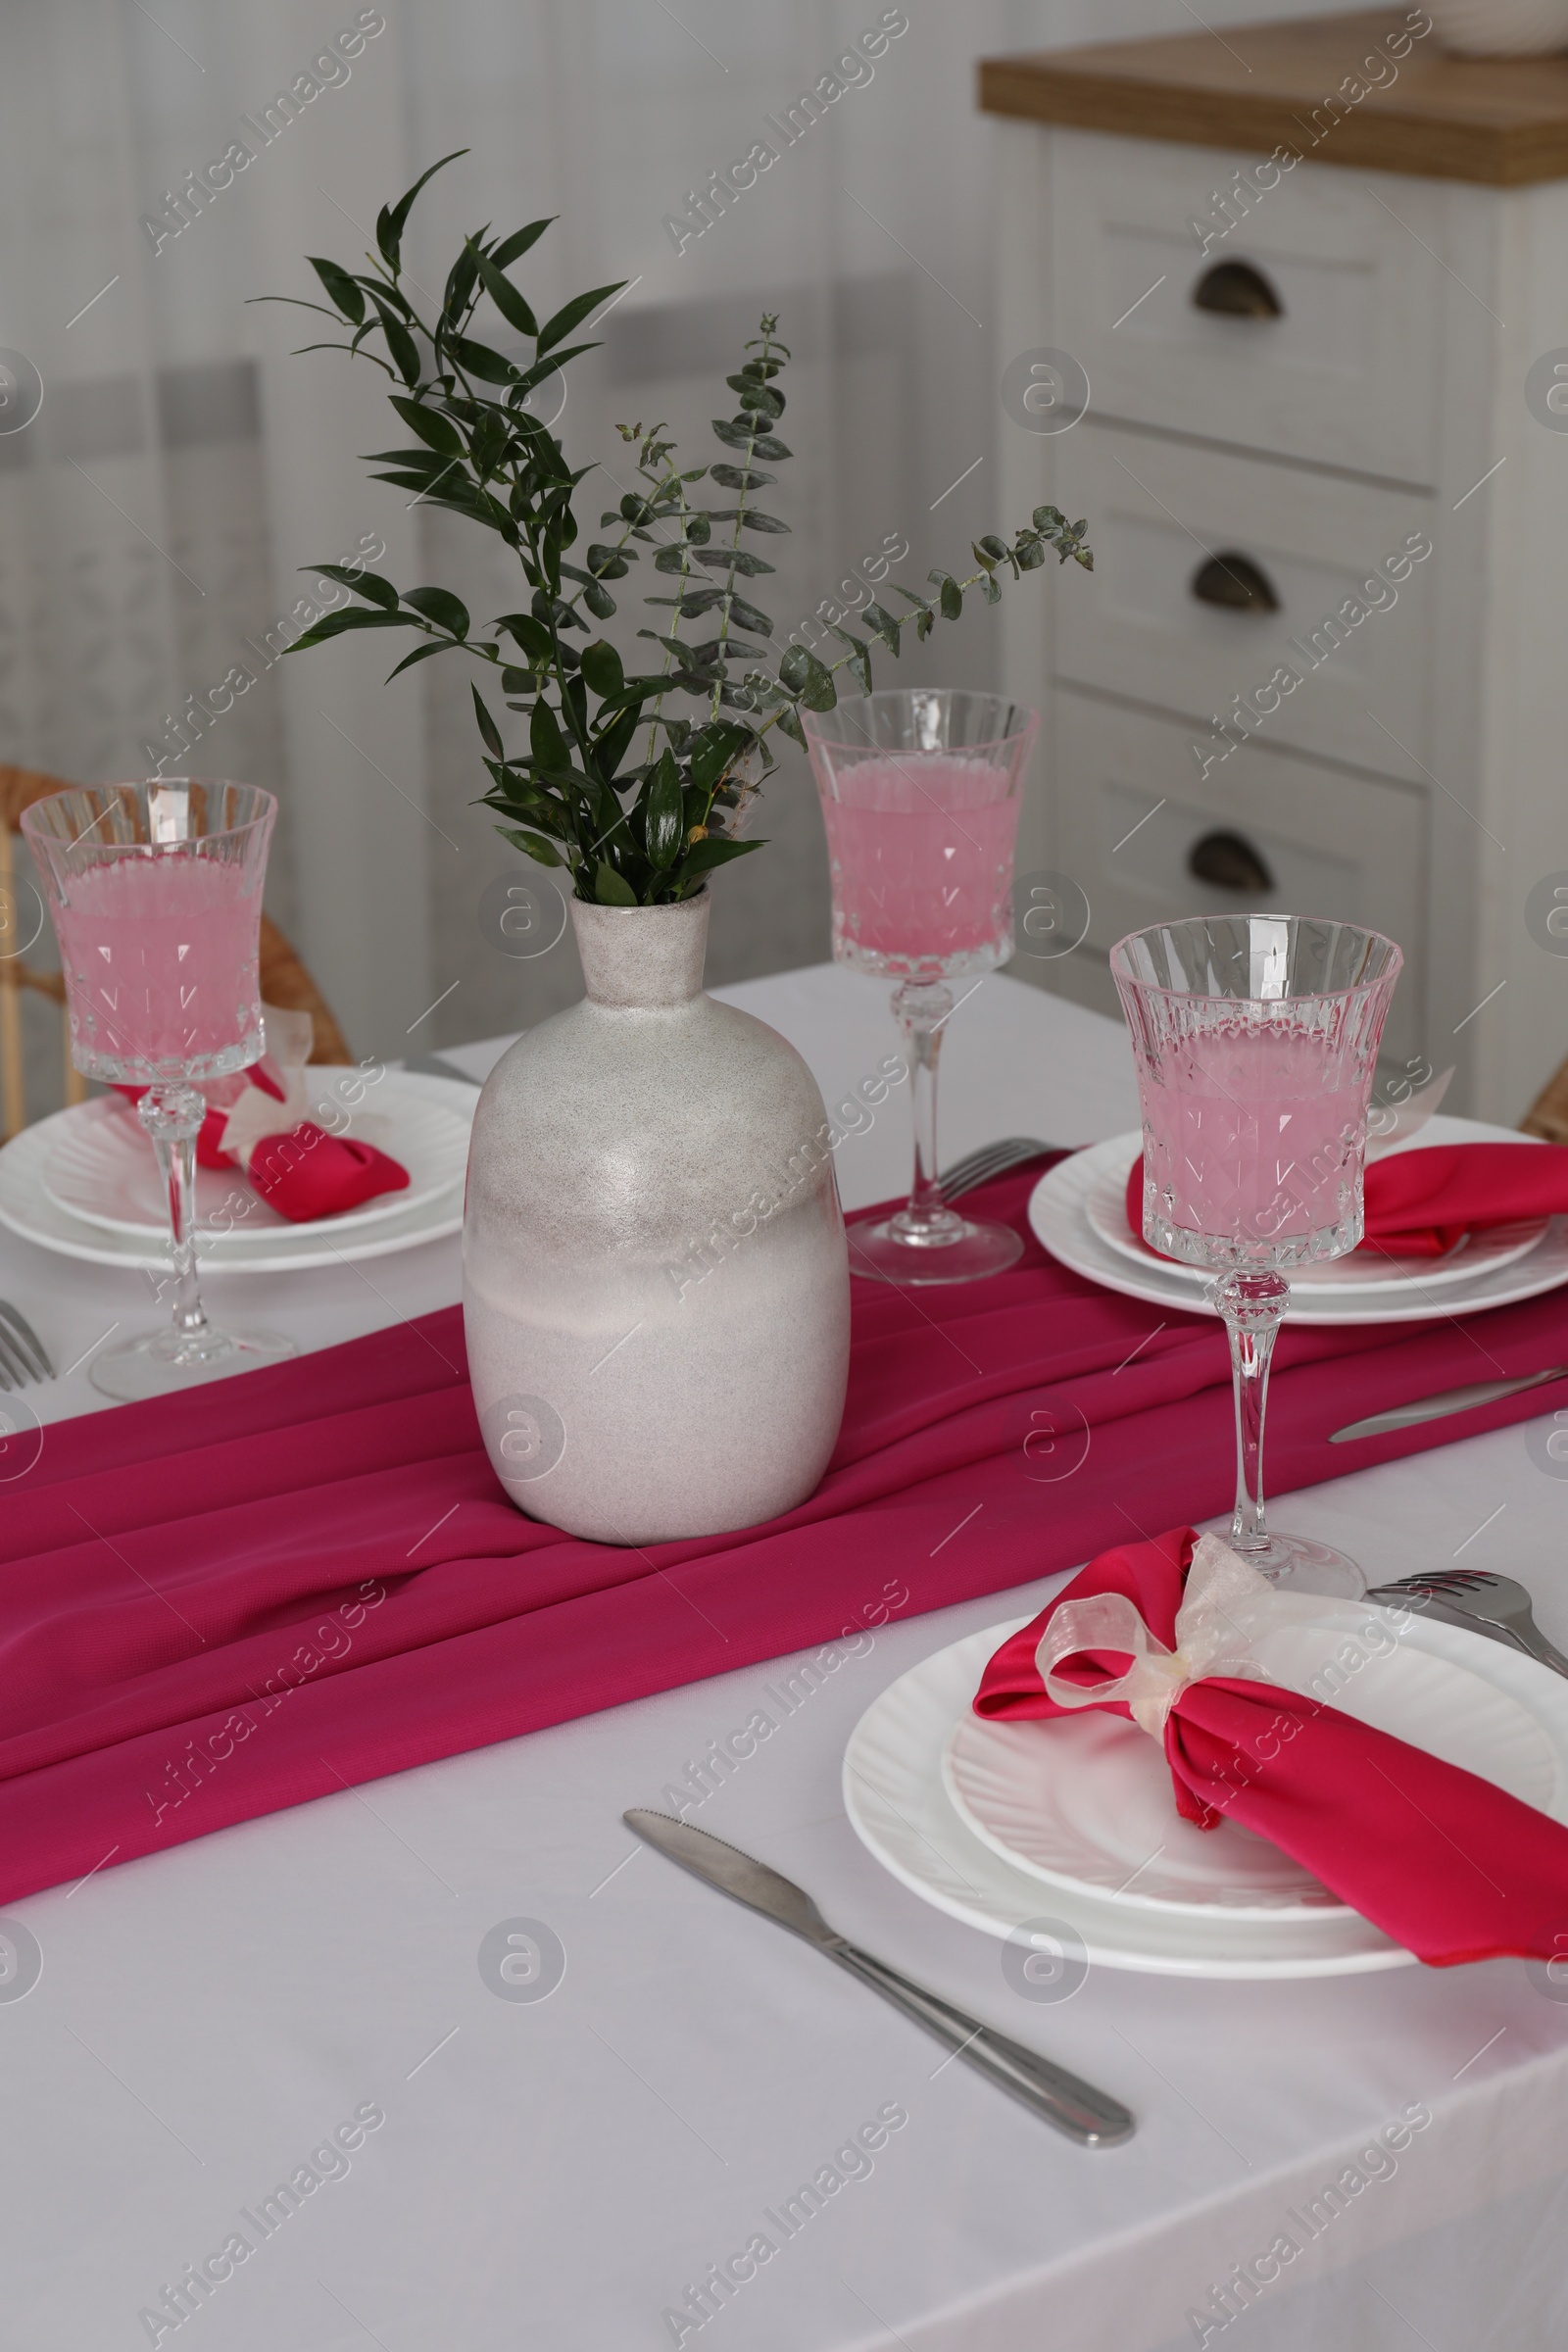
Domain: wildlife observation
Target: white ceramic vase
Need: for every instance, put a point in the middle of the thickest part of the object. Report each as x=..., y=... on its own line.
x=1500, y=27
x=656, y=1282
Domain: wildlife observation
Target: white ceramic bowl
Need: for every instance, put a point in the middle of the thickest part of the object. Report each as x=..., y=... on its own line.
x=1500, y=27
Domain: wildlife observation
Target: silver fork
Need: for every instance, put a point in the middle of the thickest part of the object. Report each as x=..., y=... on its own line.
x=991, y=1160
x=22, y=1352
x=1495, y=1605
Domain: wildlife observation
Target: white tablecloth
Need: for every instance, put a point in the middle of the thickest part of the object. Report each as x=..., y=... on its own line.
x=565, y=2171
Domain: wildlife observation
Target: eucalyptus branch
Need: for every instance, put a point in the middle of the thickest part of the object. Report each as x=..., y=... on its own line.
x=630, y=833
x=671, y=484
x=761, y=401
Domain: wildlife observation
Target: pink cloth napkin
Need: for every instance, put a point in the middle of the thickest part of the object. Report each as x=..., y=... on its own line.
x=308, y=1173
x=1449, y=1866
x=1421, y=1203
x=302, y=1172
x=307, y=1576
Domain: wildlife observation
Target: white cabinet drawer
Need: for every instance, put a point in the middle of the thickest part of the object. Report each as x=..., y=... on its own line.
x=1347, y=375
x=1167, y=521
x=1129, y=812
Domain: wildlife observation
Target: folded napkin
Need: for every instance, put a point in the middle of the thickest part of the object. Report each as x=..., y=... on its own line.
x=308, y=1173
x=1452, y=1867
x=215, y=1604
x=256, y=1121
x=1422, y=1204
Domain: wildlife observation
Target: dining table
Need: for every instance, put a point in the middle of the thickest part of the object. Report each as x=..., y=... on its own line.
x=579, y=2151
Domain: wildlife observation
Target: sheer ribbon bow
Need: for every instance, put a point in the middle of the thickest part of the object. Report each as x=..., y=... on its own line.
x=1226, y=1605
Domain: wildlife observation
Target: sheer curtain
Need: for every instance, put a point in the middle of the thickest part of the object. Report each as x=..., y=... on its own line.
x=159, y=164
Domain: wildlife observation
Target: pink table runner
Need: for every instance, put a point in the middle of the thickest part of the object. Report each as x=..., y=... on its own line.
x=309, y=1577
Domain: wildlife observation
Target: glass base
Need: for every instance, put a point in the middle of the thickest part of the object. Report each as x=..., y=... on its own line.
x=1250, y=1253
x=1297, y=1564
x=962, y=1250
x=925, y=971
x=161, y=1364
x=95, y=1060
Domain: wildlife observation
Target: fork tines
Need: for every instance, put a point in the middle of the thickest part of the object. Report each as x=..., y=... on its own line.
x=21, y=1352
x=991, y=1160
x=1443, y=1580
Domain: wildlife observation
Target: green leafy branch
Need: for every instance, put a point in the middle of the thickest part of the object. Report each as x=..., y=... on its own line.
x=630, y=831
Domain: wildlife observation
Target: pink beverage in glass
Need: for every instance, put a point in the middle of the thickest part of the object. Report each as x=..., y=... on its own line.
x=155, y=887
x=1256, y=1039
x=920, y=846
x=1243, y=1141
x=161, y=953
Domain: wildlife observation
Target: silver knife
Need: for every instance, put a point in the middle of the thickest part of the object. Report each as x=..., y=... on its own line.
x=1064, y=2099
x=1448, y=1400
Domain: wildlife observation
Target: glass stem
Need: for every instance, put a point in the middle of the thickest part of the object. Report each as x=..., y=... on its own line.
x=173, y=1117
x=921, y=1008
x=1254, y=1308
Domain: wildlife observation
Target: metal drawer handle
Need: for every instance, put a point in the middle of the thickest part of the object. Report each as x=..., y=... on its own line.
x=1229, y=861
x=1234, y=581
x=1236, y=291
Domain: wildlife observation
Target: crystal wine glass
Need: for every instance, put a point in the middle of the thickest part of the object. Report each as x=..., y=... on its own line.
x=920, y=789
x=154, y=889
x=1255, y=1038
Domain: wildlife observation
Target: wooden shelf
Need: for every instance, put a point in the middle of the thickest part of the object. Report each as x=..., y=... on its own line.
x=1254, y=87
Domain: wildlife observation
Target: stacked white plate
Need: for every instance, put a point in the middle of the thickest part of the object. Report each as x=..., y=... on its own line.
x=1079, y=1212
x=85, y=1182
x=1063, y=1833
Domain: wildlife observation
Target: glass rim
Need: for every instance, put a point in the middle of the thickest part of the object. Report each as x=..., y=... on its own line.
x=1192, y=996
x=811, y=720
x=119, y=784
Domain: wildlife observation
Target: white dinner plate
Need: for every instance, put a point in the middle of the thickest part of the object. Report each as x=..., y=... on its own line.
x=1059, y=1213
x=103, y=1169
x=1485, y=1251
x=26, y=1207
x=1084, y=1802
x=899, y=1807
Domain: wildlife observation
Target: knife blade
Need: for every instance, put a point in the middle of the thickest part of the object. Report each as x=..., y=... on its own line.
x=1446, y=1400
x=1075, y=2107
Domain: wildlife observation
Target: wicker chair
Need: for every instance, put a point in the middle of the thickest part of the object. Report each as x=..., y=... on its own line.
x=286, y=982
x=1547, y=1116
